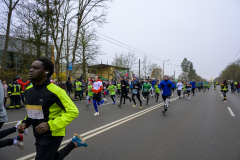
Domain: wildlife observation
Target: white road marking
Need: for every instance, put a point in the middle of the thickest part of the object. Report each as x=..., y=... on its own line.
x=231, y=112
x=11, y=122
x=107, y=127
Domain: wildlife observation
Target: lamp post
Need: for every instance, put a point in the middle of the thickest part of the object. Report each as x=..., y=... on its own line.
x=163, y=65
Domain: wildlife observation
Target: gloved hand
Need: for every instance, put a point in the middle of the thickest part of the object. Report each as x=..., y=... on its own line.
x=169, y=85
x=162, y=85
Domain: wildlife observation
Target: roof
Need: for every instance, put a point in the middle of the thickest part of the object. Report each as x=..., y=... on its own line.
x=106, y=65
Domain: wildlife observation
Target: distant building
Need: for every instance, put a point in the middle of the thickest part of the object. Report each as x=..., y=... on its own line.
x=109, y=72
x=20, y=54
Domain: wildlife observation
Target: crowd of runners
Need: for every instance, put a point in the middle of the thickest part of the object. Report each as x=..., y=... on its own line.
x=50, y=109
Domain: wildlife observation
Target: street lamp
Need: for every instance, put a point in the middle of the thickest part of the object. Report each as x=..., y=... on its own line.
x=163, y=65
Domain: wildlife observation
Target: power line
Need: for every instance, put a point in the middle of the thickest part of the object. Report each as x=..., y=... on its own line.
x=236, y=56
x=134, y=50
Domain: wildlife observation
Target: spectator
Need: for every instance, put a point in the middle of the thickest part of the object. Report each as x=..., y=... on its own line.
x=19, y=79
x=69, y=87
x=56, y=83
x=82, y=88
x=5, y=87
x=63, y=86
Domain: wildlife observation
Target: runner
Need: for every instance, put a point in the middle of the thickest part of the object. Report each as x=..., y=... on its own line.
x=224, y=89
x=157, y=90
x=50, y=110
x=77, y=87
x=112, y=90
x=184, y=89
x=193, y=83
x=118, y=88
x=166, y=86
x=188, y=88
x=124, y=92
x=136, y=91
x=97, y=88
x=90, y=94
x=199, y=86
x=204, y=86
x=179, y=88
x=146, y=88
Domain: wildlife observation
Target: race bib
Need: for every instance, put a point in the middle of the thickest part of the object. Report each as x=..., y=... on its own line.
x=35, y=111
x=77, y=86
x=145, y=89
x=134, y=91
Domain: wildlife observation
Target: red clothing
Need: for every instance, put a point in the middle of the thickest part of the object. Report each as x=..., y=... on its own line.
x=22, y=84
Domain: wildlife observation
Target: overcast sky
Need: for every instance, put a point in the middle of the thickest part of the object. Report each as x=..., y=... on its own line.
x=206, y=32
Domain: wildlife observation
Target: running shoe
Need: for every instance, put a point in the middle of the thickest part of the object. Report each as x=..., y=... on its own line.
x=105, y=100
x=80, y=100
x=134, y=105
x=140, y=107
x=78, y=139
x=19, y=141
x=89, y=102
x=114, y=102
x=87, y=106
x=164, y=113
x=96, y=114
x=120, y=106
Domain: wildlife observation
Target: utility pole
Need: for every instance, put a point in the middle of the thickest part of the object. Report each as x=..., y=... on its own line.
x=163, y=65
x=163, y=69
x=139, y=68
x=174, y=75
x=101, y=69
x=108, y=71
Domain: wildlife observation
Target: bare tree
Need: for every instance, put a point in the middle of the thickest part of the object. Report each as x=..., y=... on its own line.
x=125, y=60
x=86, y=8
x=156, y=71
x=11, y=5
x=87, y=50
x=31, y=17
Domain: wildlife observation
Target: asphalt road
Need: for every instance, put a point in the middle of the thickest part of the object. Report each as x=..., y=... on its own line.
x=200, y=128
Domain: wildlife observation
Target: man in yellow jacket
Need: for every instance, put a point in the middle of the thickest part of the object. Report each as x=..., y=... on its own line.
x=49, y=111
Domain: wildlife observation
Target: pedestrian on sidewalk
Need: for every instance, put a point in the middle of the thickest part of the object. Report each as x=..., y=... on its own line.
x=5, y=91
x=82, y=88
x=69, y=87
x=14, y=92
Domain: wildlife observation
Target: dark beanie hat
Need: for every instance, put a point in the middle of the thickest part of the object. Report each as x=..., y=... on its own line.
x=14, y=79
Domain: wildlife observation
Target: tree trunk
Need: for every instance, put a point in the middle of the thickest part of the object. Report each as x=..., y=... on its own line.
x=7, y=38
x=47, y=29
